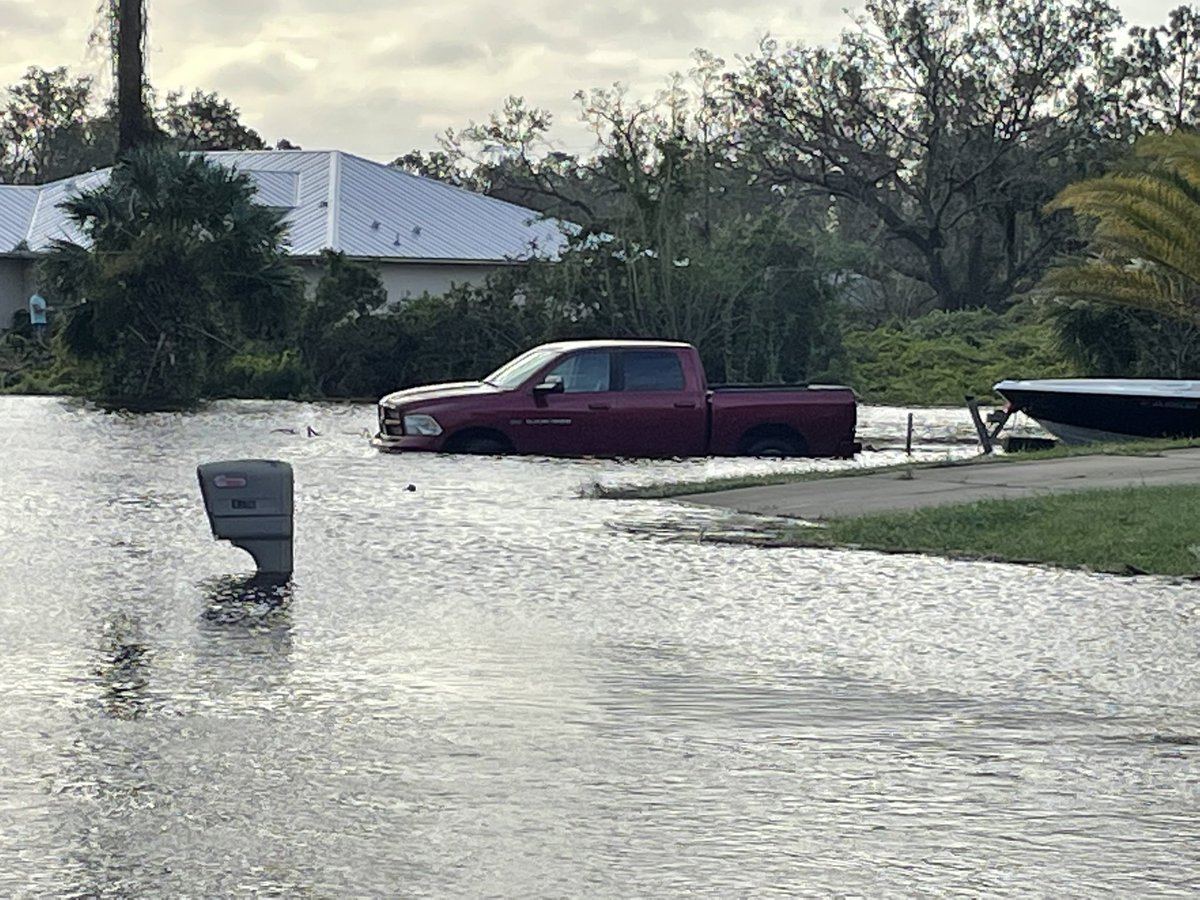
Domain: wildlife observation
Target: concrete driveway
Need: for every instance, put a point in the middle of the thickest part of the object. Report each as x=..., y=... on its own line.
x=905, y=489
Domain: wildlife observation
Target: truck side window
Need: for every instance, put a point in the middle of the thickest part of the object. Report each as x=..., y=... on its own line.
x=652, y=370
x=583, y=372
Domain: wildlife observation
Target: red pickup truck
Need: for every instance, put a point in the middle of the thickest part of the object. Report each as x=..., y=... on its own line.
x=617, y=398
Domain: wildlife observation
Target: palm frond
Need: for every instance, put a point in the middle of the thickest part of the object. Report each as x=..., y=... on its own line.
x=1099, y=281
x=1144, y=221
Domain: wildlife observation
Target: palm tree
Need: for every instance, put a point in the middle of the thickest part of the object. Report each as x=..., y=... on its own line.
x=182, y=268
x=1144, y=232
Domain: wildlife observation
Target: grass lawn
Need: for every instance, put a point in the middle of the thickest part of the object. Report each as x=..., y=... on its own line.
x=1138, y=530
x=1143, y=530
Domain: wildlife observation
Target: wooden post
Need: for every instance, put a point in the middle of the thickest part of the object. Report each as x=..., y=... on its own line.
x=980, y=429
x=908, y=437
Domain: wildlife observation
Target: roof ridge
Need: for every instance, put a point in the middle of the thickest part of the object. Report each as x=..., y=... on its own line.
x=33, y=214
x=334, y=200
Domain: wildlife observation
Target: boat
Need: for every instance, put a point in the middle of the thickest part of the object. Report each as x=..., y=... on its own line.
x=1085, y=410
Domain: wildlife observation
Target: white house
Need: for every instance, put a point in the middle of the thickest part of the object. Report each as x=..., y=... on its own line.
x=425, y=235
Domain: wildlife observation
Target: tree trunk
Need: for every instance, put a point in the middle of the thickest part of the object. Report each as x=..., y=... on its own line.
x=939, y=279
x=131, y=109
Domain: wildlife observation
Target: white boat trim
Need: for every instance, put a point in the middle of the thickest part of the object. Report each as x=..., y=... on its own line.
x=1128, y=387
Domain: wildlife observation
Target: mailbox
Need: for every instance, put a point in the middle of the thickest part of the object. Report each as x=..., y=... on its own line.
x=249, y=504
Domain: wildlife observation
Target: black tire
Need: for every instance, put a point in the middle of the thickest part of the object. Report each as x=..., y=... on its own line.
x=481, y=446
x=776, y=446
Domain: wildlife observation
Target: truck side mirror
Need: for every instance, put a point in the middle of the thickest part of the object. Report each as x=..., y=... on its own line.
x=552, y=385
x=249, y=504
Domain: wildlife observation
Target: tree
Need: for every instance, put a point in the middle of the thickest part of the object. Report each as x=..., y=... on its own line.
x=182, y=269
x=45, y=128
x=50, y=127
x=337, y=326
x=1142, y=222
x=670, y=237
x=510, y=157
x=1163, y=65
x=438, y=165
x=205, y=121
x=944, y=127
x=1121, y=342
x=671, y=241
x=681, y=247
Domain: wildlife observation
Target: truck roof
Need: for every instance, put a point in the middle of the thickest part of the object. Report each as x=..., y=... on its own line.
x=612, y=344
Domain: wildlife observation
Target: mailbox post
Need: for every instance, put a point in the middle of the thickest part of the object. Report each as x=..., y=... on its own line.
x=249, y=504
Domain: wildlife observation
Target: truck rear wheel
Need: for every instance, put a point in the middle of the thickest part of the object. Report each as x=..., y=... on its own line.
x=776, y=446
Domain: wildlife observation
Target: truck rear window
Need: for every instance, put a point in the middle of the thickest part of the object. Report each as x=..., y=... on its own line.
x=652, y=370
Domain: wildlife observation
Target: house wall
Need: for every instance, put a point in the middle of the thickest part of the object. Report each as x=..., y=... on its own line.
x=402, y=281
x=16, y=279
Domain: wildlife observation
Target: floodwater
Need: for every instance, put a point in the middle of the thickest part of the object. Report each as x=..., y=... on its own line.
x=488, y=687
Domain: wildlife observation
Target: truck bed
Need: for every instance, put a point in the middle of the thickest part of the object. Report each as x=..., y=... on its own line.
x=822, y=416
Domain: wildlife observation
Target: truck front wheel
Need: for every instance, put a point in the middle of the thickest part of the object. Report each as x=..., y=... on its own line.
x=776, y=446
x=478, y=443
x=483, y=446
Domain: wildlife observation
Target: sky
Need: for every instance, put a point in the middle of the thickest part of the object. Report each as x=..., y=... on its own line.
x=378, y=78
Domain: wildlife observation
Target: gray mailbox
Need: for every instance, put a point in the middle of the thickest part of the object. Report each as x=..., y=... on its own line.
x=249, y=504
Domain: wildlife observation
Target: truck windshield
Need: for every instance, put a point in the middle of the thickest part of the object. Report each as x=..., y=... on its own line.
x=514, y=372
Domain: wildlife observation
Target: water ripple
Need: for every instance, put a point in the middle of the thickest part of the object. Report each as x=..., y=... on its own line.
x=480, y=683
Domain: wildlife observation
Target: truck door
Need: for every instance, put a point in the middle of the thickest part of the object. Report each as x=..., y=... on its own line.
x=576, y=421
x=658, y=412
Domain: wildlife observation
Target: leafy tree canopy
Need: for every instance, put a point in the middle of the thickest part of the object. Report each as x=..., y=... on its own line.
x=204, y=121
x=54, y=124
x=945, y=126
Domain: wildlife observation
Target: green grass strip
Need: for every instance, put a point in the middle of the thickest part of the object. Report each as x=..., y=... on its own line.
x=1143, y=530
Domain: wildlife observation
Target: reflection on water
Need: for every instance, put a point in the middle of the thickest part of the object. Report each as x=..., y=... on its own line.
x=489, y=685
x=123, y=669
x=256, y=602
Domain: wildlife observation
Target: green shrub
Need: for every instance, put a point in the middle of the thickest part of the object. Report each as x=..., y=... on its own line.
x=939, y=358
x=275, y=375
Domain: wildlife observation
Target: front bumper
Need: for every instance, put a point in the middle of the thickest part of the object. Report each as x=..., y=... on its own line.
x=391, y=436
x=406, y=443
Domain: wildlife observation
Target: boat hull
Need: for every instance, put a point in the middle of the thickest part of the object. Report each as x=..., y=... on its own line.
x=1080, y=410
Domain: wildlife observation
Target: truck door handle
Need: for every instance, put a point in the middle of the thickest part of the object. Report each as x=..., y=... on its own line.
x=685, y=405
x=598, y=406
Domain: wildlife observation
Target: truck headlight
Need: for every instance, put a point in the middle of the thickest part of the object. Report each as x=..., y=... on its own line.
x=422, y=424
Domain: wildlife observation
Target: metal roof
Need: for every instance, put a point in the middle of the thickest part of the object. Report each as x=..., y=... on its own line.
x=17, y=204
x=334, y=201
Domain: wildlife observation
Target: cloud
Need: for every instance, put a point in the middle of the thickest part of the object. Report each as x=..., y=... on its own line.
x=434, y=64
x=222, y=22
x=273, y=76
x=376, y=78
x=375, y=125
x=449, y=53
x=23, y=20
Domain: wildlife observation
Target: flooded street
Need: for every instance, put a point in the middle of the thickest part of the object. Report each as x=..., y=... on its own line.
x=487, y=686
